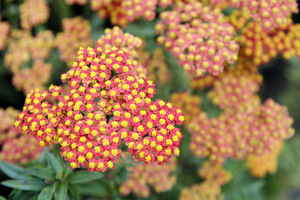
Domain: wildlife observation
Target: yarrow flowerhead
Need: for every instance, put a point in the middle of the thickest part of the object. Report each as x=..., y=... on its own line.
x=33, y=12
x=199, y=37
x=75, y=35
x=106, y=104
x=16, y=148
x=158, y=176
x=260, y=165
x=4, y=31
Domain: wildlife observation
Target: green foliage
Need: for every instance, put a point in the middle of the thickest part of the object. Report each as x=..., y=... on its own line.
x=47, y=178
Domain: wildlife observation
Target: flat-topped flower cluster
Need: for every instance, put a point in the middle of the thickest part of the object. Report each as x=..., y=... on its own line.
x=108, y=104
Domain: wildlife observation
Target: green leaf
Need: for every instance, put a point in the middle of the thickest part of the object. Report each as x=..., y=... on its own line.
x=12, y=171
x=83, y=177
x=61, y=189
x=42, y=173
x=94, y=189
x=54, y=163
x=2, y=198
x=47, y=193
x=29, y=184
x=74, y=194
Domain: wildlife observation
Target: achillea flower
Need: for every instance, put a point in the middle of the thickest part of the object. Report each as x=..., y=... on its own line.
x=80, y=2
x=203, y=191
x=159, y=177
x=33, y=12
x=199, y=37
x=107, y=103
x=260, y=165
x=214, y=173
x=269, y=14
x=18, y=50
x=21, y=149
x=4, y=30
x=7, y=130
x=36, y=77
x=139, y=8
x=231, y=90
x=16, y=148
x=75, y=35
x=190, y=105
x=42, y=45
x=155, y=64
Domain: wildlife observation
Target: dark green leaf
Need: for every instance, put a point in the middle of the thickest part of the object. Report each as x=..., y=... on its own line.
x=47, y=193
x=12, y=171
x=93, y=189
x=61, y=189
x=74, y=194
x=54, y=163
x=84, y=176
x=42, y=173
x=29, y=184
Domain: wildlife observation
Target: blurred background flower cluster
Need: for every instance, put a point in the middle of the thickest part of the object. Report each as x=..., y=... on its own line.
x=231, y=66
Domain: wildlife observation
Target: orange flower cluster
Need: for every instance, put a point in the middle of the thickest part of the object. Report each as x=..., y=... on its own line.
x=22, y=48
x=4, y=31
x=107, y=103
x=16, y=148
x=33, y=12
x=260, y=165
x=199, y=37
x=214, y=176
x=35, y=77
x=158, y=176
x=203, y=191
x=76, y=34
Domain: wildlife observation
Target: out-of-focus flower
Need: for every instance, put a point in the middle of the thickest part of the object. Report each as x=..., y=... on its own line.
x=36, y=77
x=199, y=37
x=18, y=50
x=139, y=8
x=33, y=12
x=203, y=191
x=80, y=2
x=190, y=105
x=107, y=103
x=16, y=148
x=269, y=14
x=214, y=173
x=158, y=176
x=4, y=31
x=260, y=165
x=42, y=45
x=76, y=34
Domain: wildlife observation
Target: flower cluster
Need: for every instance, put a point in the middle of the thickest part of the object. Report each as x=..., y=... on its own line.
x=259, y=165
x=137, y=8
x=155, y=175
x=190, y=105
x=80, y=2
x=33, y=12
x=198, y=36
x=203, y=191
x=214, y=176
x=16, y=148
x=269, y=14
x=36, y=77
x=76, y=34
x=107, y=103
x=22, y=48
x=5, y=28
